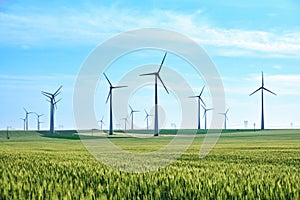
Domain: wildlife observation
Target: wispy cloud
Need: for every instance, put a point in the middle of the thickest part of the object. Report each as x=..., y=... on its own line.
x=92, y=25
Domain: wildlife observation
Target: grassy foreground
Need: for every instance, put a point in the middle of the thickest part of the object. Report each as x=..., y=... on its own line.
x=243, y=165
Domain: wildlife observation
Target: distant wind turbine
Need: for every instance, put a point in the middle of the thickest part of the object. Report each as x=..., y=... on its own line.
x=131, y=114
x=53, y=106
x=199, y=103
x=125, y=122
x=262, y=88
x=147, y=118
x=205, y=114
x=157, y=76
x=26, y=117
x=38, y=120
x=110, y=96
x=24, y=123
x=225, y=117
x=101, y=123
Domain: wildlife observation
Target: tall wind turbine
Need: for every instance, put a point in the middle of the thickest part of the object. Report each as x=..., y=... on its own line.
x=131, y=114
x=38, y=120
x=101, y=123
x=205, y=113
x=262, y=88
x=225, y=117
x=157, y=76
x=24, y=123
x=26, y=118
x=111, y=87
x=147, y=118
x=53, y=106
x=199, y=103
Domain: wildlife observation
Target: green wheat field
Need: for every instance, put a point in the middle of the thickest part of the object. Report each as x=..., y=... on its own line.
x=243, y=165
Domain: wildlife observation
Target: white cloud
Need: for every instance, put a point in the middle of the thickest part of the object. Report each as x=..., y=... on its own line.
x=92, y=25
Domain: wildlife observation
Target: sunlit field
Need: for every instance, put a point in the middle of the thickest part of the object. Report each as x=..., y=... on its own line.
x=243, y=165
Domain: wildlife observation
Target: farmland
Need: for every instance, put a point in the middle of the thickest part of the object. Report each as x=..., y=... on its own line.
x=248, y=165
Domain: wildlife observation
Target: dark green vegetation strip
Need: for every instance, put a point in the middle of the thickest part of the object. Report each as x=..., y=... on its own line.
x=243, y=165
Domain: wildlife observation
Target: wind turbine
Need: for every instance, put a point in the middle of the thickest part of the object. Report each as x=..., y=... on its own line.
x=125, y=122
x=26, y=118
x=205, y=112
x=157, y=76
x=225, y=117
x=53, y=106
x=111, y=87
x=24, y=123
x=199, y=103
x=131, y=114
x=146, y=118
x=262, y=88
x=101, y=123
x=38, y=120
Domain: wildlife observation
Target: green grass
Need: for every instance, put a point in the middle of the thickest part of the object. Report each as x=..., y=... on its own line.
x=243, y=165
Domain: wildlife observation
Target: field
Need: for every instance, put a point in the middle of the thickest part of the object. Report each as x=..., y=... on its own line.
x=243, y=165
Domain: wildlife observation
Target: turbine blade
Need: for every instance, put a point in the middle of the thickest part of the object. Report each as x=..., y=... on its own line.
x=25, y=110
x=130, y=108
x=119, y=87
x=55, y=102
x=255, y=91
x=46, y=93
x=203, y=107
x=107, y=79
x=108, y=96
x=148, y=74
x=162, y=62
x=262, y=79
x=202, y=101
x=162, y=83
x=227, y=111
x=50, y=97
x=55, y=93
x=193, y=96
x=201, y=91
x=269, y=91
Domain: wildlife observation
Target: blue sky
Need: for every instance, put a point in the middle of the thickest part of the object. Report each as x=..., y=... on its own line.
x=44, y=44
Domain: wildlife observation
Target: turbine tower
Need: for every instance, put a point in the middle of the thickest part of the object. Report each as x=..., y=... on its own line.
x=24, y=123
x=53, y=106
x=38, y=120
x=225, y=117
x=111, y=87
x=157, y=76
x=146, y=118
x=205, y=113
x=199, y=103
x=26, y=118
x=101, y=123
x=262, y=88
x=131, y=114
